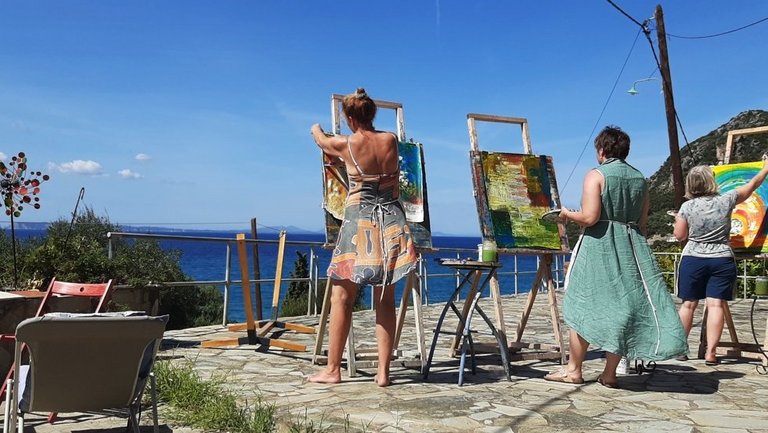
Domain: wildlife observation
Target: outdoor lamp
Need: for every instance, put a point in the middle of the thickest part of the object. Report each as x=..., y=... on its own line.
x=633, y=90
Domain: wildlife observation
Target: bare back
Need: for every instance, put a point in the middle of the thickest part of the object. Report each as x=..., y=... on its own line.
x=372, y=153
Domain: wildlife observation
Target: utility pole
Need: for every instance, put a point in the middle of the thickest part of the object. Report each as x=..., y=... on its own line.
x=669, y=104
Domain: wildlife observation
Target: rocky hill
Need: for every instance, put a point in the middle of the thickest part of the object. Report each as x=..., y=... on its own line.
x=705, y=150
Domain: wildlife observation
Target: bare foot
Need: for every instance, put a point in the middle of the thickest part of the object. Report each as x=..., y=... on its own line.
x=382, y=383
x=325, y=377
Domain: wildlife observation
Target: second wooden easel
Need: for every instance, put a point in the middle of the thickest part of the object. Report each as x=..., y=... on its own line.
x=260, y=332
x=545, y=257
x=734, y=348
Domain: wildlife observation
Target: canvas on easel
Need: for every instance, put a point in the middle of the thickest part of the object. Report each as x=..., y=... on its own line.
x=512, y=193
x=413, y=194
x=519, y=190
x=748, y=226
x=414, y=199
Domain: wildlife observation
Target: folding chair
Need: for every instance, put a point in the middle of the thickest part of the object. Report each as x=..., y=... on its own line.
x=100, y=291
x=84, y=362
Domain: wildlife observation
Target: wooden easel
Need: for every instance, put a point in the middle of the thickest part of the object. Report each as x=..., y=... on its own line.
x=733, y=348
x=258, y=332
x=369, y=358
x=546, y=257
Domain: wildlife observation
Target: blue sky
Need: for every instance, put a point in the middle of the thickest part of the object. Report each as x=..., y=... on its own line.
x=198, y=112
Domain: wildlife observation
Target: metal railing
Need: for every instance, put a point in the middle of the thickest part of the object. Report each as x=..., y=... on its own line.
x=742, y=280
x=516, y=274
x=313, y=269
x=228, y=281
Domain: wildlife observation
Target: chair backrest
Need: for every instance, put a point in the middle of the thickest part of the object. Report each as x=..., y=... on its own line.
x=87, y=362
x=102, y=291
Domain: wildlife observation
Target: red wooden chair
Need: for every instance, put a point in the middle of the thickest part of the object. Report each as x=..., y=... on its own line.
x=100, y=291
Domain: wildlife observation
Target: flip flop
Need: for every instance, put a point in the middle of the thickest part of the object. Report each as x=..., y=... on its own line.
x=606, y=384
x=712, y=363
x=562, y=375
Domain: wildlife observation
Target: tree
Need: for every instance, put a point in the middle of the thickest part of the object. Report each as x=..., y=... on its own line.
x=78, y=252
x=295, y=302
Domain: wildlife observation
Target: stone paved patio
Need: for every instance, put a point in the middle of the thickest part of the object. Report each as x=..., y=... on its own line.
x=677, y=397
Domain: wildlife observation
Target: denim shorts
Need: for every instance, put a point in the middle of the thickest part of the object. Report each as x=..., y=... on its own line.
x=699, y=278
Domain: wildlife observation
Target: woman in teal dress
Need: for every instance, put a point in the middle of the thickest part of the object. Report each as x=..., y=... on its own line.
x=615, y=295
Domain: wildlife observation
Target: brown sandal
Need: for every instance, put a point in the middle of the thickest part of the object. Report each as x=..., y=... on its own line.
x=562, y=375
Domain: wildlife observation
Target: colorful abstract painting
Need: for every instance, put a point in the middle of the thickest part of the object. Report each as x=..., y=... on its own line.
x=515, y=191
x=748, y=225
x=413, y=195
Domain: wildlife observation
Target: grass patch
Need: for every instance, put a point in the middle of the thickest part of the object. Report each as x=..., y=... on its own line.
x=205, y=404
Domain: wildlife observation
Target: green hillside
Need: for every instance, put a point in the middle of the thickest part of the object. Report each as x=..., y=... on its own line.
x=705, y=150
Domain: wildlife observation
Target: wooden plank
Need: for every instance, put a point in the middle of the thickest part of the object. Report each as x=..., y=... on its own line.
x=478, y=183
x=400, y=320
x=735, y=133
x=324, y=311
x=265, y=327
x=530, y=356
x=498, y=119
x=278, y=275
x=529, y=303
x=246, y=281
x=517, y=345
x=256, y=268
x=496, y=297
x=297, y=327
x=223, y=342
x=304, y=329
x=337, y=99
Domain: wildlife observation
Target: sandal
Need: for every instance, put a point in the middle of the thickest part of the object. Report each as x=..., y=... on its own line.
x=712, y=363
x=606, y=384
x=562, y=375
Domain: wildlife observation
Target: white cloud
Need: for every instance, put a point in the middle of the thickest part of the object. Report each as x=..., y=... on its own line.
x=79, y=166
x=128, y=174
x=2, y=156
x=143, y=157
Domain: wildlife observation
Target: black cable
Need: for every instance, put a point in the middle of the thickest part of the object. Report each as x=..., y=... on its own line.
x=626, y=14
x=610, y=95
x=718, y=34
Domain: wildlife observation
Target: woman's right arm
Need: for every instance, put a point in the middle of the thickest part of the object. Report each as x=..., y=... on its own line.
x=743, y=192
x=590, y=201
x=680, y=230
x=333, y=145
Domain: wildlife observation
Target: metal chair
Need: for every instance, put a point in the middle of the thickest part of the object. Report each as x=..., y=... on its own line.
x=84, y=362
x=99, y=291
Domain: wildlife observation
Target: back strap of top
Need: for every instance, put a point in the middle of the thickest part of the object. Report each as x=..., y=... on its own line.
x=351, y=155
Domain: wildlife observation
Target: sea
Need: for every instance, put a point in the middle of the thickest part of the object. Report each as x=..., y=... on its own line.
x=204, y=257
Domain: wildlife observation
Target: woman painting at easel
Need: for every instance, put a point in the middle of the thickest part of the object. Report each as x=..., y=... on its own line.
x=615, y=296
x=374, y=246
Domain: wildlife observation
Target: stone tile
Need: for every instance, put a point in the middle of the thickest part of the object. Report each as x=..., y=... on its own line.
x=679, y=397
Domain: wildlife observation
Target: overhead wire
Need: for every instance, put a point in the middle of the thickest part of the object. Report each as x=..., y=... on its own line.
x=645, y=27
x=608, y=100
x=718, y=34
